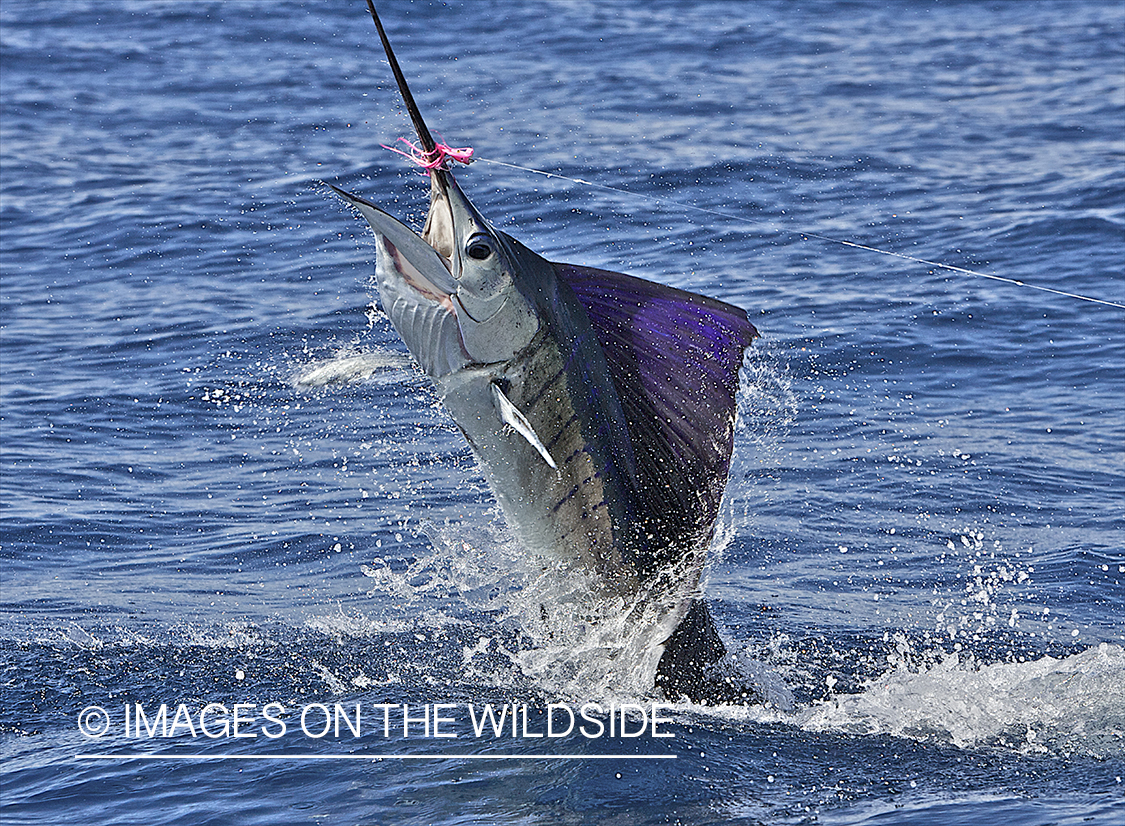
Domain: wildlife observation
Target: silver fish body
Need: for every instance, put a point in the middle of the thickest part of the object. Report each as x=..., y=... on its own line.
x=600, y=406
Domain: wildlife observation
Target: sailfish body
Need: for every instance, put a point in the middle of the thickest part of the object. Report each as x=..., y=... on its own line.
x=600, y=406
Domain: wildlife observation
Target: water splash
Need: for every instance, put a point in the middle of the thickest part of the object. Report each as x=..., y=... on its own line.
x=1062, y=706
x=558, y=629
x=349, y=366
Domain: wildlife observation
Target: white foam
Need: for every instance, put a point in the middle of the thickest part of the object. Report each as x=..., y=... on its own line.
x=348, y=366
x=558, y=628
x=1072, y=705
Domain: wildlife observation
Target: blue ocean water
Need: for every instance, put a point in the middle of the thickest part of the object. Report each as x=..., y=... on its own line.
x=224, y=483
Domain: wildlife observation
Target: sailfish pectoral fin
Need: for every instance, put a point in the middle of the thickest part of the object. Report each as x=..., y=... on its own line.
x=511, y=415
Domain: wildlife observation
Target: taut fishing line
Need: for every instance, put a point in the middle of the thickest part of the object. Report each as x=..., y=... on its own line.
x=432, y=155
x=678, y=205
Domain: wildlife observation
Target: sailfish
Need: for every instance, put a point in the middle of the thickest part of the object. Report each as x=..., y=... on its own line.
x=600, y=407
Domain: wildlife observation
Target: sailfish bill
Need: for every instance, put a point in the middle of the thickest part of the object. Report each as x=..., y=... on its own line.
x=600, y=406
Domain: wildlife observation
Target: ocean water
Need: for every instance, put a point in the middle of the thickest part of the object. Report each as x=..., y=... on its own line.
x=224, y=483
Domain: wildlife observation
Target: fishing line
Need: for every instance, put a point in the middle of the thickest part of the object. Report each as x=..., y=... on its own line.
x=828, y=239
x=431, y=156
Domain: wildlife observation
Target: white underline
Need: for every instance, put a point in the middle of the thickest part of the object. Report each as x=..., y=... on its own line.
x=145, y=756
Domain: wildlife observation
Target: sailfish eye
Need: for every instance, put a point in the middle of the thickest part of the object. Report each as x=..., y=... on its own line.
x=479, y=247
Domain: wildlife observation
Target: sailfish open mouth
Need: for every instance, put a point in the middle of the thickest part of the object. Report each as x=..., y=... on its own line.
x=417, y=281
x=417, y=290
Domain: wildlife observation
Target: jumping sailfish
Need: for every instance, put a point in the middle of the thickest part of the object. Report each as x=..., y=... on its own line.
x=600, y=406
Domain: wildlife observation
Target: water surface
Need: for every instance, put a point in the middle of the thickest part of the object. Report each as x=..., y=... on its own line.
x=224, y=482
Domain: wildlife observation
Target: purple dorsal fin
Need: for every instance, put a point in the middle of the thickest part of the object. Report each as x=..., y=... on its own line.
x=674, y=358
